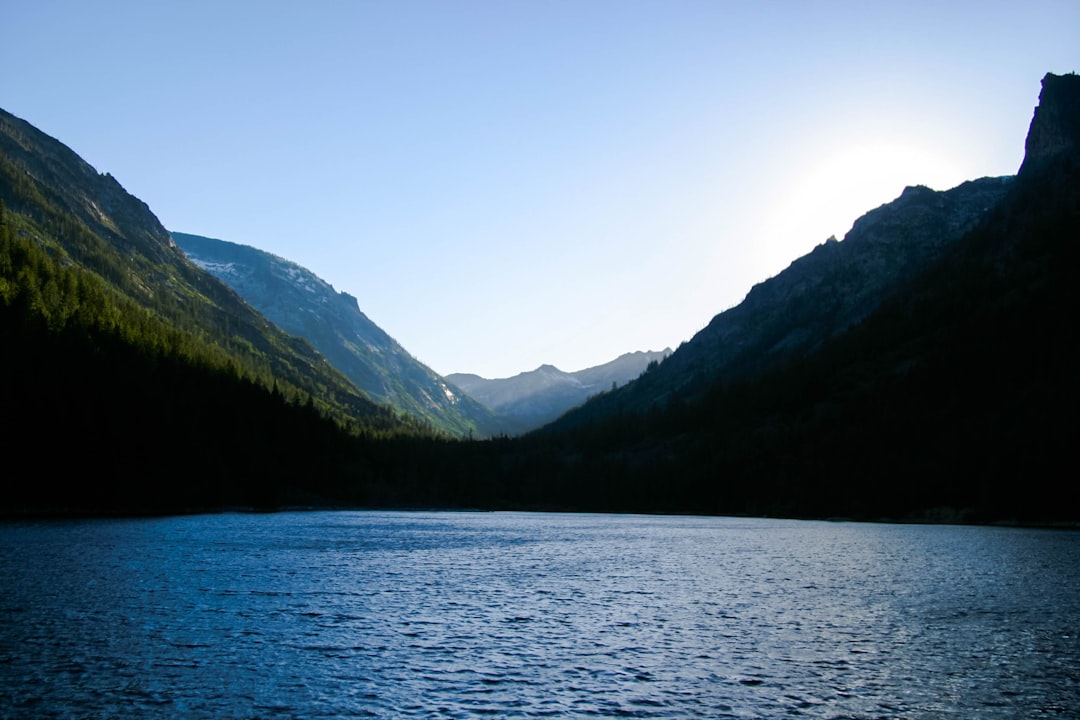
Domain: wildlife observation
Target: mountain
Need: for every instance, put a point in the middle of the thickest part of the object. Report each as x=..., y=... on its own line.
x=89, y=220
x=539, y=396
x=921, y=369
x=953, y=399
x=139, y=380
x=1054, y=137
x=819, y=296
x=303, y=304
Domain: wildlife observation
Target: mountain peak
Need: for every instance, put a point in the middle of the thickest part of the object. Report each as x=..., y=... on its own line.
x=1055, y=126
x=911, y=190
x=538, y=396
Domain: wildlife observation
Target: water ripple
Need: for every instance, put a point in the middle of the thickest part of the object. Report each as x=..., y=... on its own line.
x=418, y=615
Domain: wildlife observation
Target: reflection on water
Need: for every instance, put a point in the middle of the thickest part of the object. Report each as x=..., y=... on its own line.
x=359, y=614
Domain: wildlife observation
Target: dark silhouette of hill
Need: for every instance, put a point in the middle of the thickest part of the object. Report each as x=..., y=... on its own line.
x=951, y=399
x=818, y=297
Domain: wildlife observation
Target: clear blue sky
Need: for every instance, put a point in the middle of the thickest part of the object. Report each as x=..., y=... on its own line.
x=505, y=184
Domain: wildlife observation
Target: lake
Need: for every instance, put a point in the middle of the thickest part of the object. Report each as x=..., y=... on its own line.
x=418, y=614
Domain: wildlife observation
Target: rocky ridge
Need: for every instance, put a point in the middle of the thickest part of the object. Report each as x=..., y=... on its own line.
x=819, y=295
x=305, y=305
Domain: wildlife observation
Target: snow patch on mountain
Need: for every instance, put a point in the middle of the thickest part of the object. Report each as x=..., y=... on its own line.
x=217, y=269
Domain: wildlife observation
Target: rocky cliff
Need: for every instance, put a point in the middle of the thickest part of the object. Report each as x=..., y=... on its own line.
x=1055, y=127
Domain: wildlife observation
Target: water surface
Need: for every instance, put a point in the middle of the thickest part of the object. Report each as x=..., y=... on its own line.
x=356, y=614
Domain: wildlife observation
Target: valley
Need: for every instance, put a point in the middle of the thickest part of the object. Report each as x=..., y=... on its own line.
x=917, y=369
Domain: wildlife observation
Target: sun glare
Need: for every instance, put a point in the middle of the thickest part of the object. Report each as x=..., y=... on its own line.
x=826, y=194
x=849, y=182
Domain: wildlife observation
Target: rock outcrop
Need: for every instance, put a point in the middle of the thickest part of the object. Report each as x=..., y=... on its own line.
x=1055, y=127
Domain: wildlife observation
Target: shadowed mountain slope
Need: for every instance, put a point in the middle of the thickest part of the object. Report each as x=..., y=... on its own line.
x=87, y=219
x=144, y=383
x=922, y=369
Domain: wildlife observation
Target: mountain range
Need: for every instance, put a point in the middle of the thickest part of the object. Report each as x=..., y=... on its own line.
x=301, y=303
x=462, y=404
x=537, y=397
x=919, y=369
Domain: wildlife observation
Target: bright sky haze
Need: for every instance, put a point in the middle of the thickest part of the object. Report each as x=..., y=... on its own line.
x=506, y=184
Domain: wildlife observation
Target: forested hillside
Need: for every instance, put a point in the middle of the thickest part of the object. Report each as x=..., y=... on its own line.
x=86, y=220
x=153, y=383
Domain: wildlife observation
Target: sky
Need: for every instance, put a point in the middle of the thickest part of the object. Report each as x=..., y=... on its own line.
x=504, y=184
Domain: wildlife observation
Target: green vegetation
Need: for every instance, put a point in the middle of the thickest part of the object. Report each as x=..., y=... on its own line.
x=152, y=385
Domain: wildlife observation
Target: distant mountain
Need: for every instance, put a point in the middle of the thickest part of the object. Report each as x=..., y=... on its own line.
x=539, y=396
x=303, y=304
x=819, y=296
